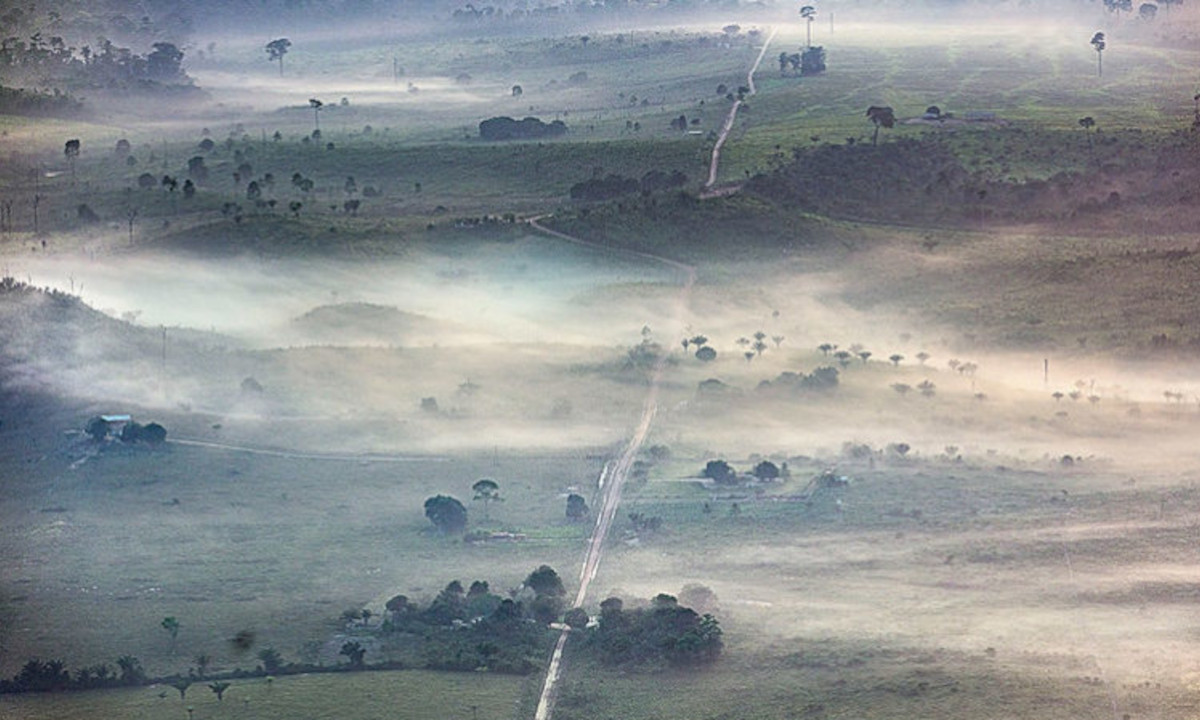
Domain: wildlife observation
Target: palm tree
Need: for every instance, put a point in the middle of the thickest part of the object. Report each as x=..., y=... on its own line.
x=1099, y=44
x=1087, y=123
x=880, y=116
x=316, y=105
x=276, y=49
x=219, y=689
x=809, y=13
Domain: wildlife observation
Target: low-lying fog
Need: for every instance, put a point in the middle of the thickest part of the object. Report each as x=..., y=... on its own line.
x=544, y=327
x=534, y=290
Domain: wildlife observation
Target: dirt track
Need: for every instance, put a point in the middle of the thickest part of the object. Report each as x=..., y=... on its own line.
x=732, y=116
x=615, y=473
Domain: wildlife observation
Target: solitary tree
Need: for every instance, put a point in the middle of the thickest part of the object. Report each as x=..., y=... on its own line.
x=71, y=150
x=487, y=491
x=720, y=472
x=171, y=625
x=577, y=507
x=766, y=470
x=276, y=49
x=182, y=685
x=1147, y=11
x=219, y=689
x=316, y=105
x=446, y=513
x=1098, y=44
x=809, y=13
x=880, y=116
x=1087, y=123
x=545, y=581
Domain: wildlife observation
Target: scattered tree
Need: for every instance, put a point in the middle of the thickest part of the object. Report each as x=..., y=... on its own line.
x=316, y=106
x=276, y=49
x=1098, y=44
x=71, y=150
x=577, y=507
x=446, y=513
x=766, y=470
x=219, y=689
x=880, y=116
x=171, y=625
x=809, y=13
x=545, y=581
x=486, y=491
x=182, y=685
x=1087, y=123
x=719, y=472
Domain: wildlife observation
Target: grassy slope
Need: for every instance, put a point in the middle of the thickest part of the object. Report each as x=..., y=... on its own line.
x=957, y=281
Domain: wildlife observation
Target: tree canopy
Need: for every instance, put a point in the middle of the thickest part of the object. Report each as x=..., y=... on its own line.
x=446, y=513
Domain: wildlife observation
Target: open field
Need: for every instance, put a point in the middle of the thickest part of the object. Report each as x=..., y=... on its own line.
x=412, y=693
x=997, y=552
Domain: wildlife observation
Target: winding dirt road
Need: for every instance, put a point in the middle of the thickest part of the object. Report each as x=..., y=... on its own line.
x=732, y=116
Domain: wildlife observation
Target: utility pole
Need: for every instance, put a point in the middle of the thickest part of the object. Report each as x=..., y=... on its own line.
x=164, y=359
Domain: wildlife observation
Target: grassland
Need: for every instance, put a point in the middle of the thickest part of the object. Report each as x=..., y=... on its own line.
x=979, y=574
x=411, y=693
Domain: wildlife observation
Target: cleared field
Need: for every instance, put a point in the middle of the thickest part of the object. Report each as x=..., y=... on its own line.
x=409, y=693
x=998, y=551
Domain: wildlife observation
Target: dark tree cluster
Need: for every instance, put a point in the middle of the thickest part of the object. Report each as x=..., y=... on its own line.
x=666, y=634
x=151, y=433
x=475, y=629
x=819, y=380
x=110, y=68
x=446, y=513
x=613, y=186
x=530, y=128
x=722, y=473
x=52, y=675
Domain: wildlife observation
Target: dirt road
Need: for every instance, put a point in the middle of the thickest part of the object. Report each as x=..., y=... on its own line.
x=615, y=473
x=732, y=116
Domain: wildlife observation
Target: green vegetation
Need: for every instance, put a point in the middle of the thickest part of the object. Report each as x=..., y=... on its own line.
x=919, y=415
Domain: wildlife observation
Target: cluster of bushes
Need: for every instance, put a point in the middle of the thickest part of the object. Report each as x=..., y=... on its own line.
x=530, y=128
x=151, y=433
x=475, y=629
x=614, y=186
x=663, y=634
x=723, y=473
x=821, y=379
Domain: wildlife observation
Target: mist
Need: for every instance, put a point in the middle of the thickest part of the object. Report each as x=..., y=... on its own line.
x=918, y=276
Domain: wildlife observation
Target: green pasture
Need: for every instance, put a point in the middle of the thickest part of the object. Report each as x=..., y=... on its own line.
x=227, y=541
x=408, y=693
